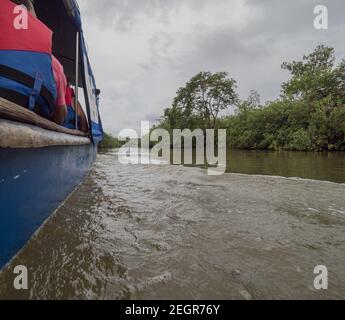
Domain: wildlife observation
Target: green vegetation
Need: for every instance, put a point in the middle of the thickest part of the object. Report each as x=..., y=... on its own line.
x=309, y=115
x=110, y=142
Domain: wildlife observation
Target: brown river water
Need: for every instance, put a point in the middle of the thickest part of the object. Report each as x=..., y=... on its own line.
x=173, y=232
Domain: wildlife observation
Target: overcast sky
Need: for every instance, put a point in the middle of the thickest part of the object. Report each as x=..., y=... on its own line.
x=142, y=51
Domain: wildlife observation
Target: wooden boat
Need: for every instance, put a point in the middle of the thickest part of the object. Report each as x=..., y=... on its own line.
x=41, y=163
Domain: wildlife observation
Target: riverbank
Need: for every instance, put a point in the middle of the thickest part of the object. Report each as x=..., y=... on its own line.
x=309, y=114
x=110, y=142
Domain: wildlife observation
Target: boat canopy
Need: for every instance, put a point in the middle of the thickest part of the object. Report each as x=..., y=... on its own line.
x=63, y=18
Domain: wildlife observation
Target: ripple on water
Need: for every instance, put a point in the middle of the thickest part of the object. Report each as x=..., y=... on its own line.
x=158, y=232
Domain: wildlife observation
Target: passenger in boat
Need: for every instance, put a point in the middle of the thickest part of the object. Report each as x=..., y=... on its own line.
x=30, y=76
x=70, y=118
x=60, y=112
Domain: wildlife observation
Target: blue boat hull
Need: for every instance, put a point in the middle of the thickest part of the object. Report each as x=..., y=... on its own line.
x=33, y=183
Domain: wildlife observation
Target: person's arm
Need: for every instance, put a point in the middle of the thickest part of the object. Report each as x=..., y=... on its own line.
x=83, y=122
x=60, y=111
x=59, y=114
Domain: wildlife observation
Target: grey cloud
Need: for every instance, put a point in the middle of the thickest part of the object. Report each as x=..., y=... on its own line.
x=122, y=14
x=144, y=57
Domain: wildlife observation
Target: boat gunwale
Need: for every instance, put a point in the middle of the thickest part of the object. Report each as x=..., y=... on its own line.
x=22, y=128
x=16, y=135
x=14, y=112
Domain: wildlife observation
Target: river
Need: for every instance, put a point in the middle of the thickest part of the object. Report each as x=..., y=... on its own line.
x=173, y=232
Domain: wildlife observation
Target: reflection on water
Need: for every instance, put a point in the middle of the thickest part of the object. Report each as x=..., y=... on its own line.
x=319, y=166
x=172, y=232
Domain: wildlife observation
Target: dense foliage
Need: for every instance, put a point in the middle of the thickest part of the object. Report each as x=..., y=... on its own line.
x=110, y=142
x=309, y=115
